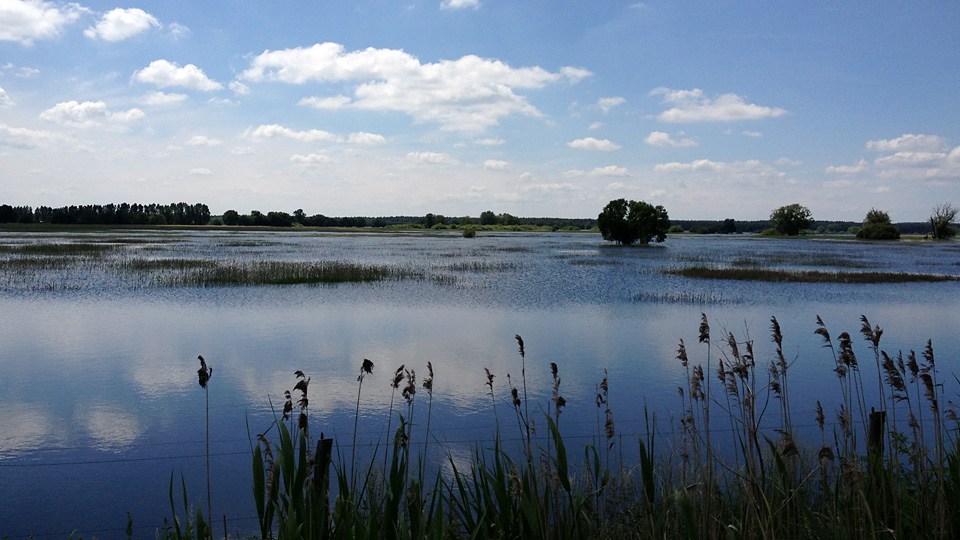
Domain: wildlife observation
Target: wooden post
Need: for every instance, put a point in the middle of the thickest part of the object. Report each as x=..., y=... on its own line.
x=321, y=477
x=875, y=434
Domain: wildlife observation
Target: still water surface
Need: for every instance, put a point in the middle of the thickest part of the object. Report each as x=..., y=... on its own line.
x=99, y=401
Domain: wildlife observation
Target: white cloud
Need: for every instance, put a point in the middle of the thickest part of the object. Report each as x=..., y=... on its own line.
x=755, y=134
x=599, y=172
x=361, y=137
x=311, y=158
x=590, y=143
x=239, y=88
x=163, y=74
x=241, y=150
x=332, y=103
x=787, y=161
x=489, y=142
x=432, y=158
x=161, y=98
x=663, y=140
x=904, y=165
x=4, y=99
x=203, y=140
x=495, y=164
x=550, y=188
x=753, y=171
x=273, y=131
x=27, y=72
x=25, y=138
x=27, y=20
x=595, y=125
x=860, y=167
x=88, y=114
x=575, y=75
x=909, y=143
x=120, y=24
x=468, y=94
x=177, y=31
x=606, y=104
x=693, y=106
x=200, y=171
x=460, y=4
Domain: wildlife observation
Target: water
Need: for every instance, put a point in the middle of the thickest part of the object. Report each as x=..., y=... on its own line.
x=99, y=401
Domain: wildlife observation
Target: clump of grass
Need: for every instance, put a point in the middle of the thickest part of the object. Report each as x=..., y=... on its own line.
x=679, y=297
x=58, y=250
x=480, y=266
x=238, y=273
x=811, y=276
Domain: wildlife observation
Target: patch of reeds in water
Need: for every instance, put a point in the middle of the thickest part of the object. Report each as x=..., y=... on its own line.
x=239, y=272
x=679, y=297
x=479, y=266
x=58, y=250
x=806, y=276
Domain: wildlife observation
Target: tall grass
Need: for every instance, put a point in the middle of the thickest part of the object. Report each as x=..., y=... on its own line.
x=740, y=468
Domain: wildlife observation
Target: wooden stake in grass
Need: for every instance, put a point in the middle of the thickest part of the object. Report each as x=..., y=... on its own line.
x=204, y=374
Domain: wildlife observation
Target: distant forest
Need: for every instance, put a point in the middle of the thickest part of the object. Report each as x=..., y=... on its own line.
x=199, y=214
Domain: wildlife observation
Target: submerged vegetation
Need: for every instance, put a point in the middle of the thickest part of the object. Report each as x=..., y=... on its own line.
x=807, y=276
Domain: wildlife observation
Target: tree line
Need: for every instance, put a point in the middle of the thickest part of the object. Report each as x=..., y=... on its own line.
x=109, y=214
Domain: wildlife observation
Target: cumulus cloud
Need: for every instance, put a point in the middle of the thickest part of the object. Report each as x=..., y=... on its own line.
x=599, y=172
x=909, y=143
x=550, y=188
x=27, y=20
x=787, y=161
x=203, y=140
x=495, y=164
x=177, y=31
x=432, y=158
x=362, y=137
x=4, y=99
x=311, y=158
x=606, y=104
x=163, y=73
x=120, y=24
x=200, y=171
x=161, y=98
x=914, y=158
x=25, y=138
x=490, y=142
x=752, y=170
x=468, y=94
x=663, y=140
x=589, y=143
x=860, y=167
x=694, y=106
x=460, y=4
x=239, y=88
x=88, y=114
x=271, y=131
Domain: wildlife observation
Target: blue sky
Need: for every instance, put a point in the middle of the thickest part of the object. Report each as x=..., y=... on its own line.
x=713, y=109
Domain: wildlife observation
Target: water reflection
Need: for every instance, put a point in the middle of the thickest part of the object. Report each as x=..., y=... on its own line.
x=122, y=357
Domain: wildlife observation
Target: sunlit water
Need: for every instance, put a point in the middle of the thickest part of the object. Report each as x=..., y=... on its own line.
x=99, y=400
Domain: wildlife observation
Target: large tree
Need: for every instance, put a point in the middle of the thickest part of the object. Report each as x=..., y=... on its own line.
x=877, y=226
x=940, y=220
x=626, y=222
x=791, y=219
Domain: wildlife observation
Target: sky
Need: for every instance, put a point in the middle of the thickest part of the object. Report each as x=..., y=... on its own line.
x=714, y=109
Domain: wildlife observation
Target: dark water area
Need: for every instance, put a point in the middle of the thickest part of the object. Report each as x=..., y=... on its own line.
x=99, y=400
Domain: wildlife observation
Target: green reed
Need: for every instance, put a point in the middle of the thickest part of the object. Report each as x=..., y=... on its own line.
x=888, y=467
